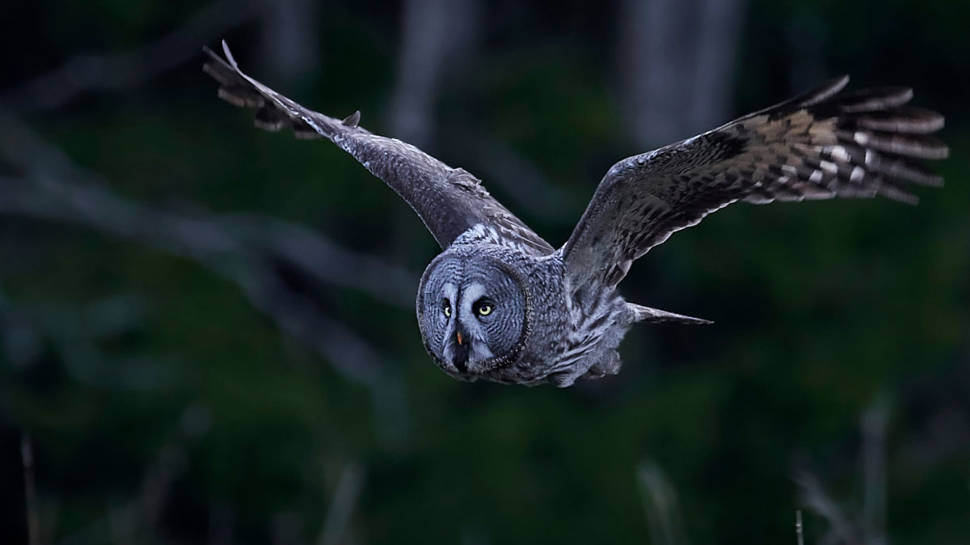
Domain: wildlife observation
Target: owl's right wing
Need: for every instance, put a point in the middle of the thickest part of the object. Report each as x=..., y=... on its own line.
x=448, y=200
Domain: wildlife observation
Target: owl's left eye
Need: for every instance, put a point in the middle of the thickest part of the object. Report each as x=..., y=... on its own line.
x=446, y=308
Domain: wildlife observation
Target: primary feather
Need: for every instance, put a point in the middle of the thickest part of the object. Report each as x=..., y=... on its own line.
x=822, y=144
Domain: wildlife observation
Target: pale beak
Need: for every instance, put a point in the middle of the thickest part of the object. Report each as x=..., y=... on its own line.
x=458, y=336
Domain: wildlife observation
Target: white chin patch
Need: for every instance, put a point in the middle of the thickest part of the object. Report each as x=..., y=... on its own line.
x=478, y=354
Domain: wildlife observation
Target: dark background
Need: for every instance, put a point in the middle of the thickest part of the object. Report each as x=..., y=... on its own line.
x=207, y=332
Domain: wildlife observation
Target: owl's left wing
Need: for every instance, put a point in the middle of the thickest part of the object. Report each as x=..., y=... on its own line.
x=448, y=200
x=818, y=145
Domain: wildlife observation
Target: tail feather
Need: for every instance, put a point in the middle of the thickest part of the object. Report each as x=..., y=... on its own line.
x=655, y=315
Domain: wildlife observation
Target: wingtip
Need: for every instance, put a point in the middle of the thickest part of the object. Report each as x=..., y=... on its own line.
x=816, y=95
x=899, y=195
x=690, y=320
x=828, y=89
x=229, y=57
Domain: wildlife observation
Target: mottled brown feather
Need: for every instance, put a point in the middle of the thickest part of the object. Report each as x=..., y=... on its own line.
x=822, y=144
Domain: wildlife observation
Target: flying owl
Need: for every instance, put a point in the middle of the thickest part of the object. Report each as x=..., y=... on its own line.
x=502, y=304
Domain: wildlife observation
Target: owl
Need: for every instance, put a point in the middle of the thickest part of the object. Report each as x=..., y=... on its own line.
x=502, y=304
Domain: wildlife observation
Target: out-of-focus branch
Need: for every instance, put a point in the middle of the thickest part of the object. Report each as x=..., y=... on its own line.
x=435, y=35
x=717, y=38
x=57, y=189
x=261, y=257
x=342, y=506
x=654, y=67
x=323, y=260
x=817, y=499
x=289, y=37
x=677, y=58
x=85, y=73
x=661, y=506
x=206, y=242
x=869, y=526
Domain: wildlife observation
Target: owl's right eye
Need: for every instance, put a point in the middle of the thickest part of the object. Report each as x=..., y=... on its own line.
x=446, y=308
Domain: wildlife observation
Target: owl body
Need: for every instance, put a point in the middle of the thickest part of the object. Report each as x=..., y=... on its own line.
x=536, y=329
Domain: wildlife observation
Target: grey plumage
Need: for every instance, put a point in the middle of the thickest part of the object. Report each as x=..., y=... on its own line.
x=500, y=303
x=428, y=185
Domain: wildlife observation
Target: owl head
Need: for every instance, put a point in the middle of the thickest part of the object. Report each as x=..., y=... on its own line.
x=474, y=311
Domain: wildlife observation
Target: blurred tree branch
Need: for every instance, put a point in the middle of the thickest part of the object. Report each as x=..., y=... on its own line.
x=54, y=188
x=342, y=505
x=661, y=505
x=819, y=502
x=869, y=527
x=289, y=41
x=261, y=256
x=938, y=408
x=799, y=528
x=677, y=60
x=436, y=34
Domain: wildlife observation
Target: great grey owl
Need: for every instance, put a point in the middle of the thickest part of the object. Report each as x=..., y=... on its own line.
x=500, y=303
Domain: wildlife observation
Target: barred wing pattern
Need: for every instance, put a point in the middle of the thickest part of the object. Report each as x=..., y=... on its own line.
x=448, y=200
x=819, y=145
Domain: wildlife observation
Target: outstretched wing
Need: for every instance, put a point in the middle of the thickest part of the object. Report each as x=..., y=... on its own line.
x=818, y=145
x=448, y=200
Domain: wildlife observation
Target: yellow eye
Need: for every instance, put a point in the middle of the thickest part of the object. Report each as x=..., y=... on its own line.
x=484, y=309
x=447, y=309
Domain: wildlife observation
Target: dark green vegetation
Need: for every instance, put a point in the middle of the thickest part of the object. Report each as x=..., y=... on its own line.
x=165, y=408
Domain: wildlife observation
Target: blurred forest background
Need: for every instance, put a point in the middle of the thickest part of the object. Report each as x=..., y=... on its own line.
x=207, y=332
